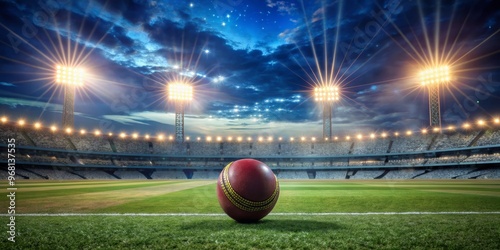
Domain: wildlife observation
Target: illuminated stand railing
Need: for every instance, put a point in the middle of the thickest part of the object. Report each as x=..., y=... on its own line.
x=468, y=126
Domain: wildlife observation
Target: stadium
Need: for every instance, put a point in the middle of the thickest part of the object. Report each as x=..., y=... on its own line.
x=380, y=120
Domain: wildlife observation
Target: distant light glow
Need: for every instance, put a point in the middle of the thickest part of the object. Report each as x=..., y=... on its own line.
x=38, y=125
x=53, y=128
x=21, y=122
x=219, y=79
x=481, y=122
x=83, y=131
x=4, y=119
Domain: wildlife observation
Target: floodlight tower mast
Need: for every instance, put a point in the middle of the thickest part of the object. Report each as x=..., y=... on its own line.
x=327, y=95
x=70, y=78
x=432, y=78
x=181, y=94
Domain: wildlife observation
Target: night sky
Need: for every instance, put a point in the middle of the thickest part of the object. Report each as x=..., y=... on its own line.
x=253, y=64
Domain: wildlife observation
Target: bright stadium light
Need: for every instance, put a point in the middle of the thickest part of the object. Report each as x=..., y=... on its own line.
x=70, y=77
x=4, y=119
x=481, y=122
x=123, y=135
x=384, y=135
x=327, y=95
x=372, y=136
x=432, y=78
x=38, y=125
x=21, y=122
x=466, y=126
x=135, y=135
x=348, y=138
x=239, y=139
x=69, y=130
x=147, y=137
x=160, y=137
x=97, y=132
x=180, y=94
x=188, y=138
x=496, y=120
x=53, y=128
x=424, y=131
x=83, y=131
x=360, y=136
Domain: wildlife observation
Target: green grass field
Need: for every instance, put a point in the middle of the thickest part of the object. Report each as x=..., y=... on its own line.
x=308, y=215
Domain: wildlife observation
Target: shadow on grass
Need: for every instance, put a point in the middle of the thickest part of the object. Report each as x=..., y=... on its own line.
x=280, y=225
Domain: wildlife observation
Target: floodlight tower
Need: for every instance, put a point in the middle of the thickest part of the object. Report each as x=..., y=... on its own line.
x=327, y=95
x=181, y=94
x=70, y=78
x=432, y=78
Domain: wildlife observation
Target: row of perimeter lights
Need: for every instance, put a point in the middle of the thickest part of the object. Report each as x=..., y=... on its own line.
x=161, y=137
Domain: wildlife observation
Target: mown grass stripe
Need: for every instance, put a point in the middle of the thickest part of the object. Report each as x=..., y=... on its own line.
x=271, y=214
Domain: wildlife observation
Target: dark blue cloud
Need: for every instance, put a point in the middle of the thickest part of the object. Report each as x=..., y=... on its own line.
x=269, y=55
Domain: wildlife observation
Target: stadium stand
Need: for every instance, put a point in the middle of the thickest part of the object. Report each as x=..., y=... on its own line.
x=91, y=143
x=45, y=154
x=132, y=146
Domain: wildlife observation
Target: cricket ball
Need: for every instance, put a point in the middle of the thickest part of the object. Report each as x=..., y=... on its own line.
x=247, y=190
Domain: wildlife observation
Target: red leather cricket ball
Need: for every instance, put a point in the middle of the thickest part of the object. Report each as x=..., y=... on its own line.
x=247, y=190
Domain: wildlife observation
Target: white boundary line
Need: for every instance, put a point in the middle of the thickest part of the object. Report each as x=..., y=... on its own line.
x=276, y=214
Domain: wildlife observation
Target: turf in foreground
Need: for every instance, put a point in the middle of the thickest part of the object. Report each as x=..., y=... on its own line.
x=274, y=232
